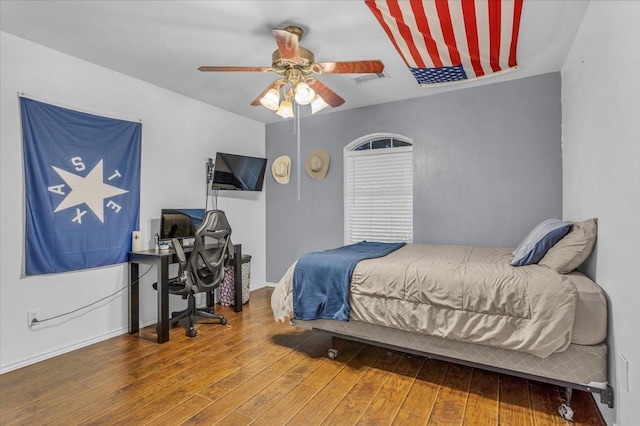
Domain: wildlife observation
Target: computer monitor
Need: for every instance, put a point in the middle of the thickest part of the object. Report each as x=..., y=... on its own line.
x=180, y=223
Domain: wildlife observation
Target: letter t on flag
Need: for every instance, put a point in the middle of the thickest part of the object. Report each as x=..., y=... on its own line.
x=82, y=185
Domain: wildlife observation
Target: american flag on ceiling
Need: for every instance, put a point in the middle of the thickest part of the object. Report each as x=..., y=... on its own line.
x=443, y=41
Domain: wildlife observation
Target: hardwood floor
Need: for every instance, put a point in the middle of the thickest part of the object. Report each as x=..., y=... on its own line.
x=254, y=371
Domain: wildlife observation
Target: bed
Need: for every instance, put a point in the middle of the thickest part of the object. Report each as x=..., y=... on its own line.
x=471, y=306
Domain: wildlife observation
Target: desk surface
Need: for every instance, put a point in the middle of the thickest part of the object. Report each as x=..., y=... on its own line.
x=171, y=251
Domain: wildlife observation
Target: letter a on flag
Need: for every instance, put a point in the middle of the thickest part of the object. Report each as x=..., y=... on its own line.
x=82, y=188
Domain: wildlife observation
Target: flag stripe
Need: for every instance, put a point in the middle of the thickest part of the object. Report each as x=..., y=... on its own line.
x=442, y=6
x=482, y=22
x=431, y=15
x=448, y=40
x=423, y=26
x=460, y=33
x=405, y=33
x=517, y=12
x=494, y=34
x=377, y=12
x=506, y=27
x=469, y=15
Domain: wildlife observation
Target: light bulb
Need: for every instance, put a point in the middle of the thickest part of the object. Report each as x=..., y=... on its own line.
x=304, y=93
x=271, y=99
x=317, y=104
x=286, y=109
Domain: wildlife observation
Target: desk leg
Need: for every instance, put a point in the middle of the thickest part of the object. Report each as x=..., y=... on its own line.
x=163, y=300
x=237, y=276
x=134, y=299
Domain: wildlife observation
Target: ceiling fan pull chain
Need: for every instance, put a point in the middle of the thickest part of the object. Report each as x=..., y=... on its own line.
x=297, y=124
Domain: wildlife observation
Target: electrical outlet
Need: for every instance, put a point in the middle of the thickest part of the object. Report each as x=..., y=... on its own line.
x=32, y=316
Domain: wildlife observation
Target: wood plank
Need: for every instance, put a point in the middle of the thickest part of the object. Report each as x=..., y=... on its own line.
x=235, y=419
x=404, y=418
x=282, y=410
x=585, y=409
x=229, y=402
x=265, y=399
x=514, y=402
x=545, y=400
x=422, y=395
x=328, y=370
x=320, y=406
x=181, y=412
x=352, y=405
x=386, y=404
x=482, y=402
x=17, y=414
x=450, y=404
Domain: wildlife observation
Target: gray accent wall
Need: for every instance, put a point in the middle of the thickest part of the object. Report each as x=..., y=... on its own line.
x=488, y=167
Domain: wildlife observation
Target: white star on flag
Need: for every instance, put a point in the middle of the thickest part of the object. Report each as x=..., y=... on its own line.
x=90, y=190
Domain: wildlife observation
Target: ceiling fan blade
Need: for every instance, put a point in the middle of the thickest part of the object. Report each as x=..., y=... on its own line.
x=329, y=96
x=250, y=69
x=348, y=67
x=256, y=101
x=287, y=44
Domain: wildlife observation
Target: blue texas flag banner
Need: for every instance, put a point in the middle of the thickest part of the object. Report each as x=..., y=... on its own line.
x=82, y=184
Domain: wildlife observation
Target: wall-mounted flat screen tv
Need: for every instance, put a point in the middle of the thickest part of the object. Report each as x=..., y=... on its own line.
x=238, y=172
x=180, y=223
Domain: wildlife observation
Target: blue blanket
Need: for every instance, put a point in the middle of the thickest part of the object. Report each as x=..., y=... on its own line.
x=321, y=279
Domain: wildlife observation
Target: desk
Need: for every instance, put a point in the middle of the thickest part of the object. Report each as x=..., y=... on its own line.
x=161, y=260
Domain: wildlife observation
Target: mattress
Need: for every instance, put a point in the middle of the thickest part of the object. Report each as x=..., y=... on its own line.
x=391, y=292
x=590, y=325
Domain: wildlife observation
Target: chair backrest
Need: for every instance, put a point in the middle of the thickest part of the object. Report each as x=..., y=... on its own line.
x=205, y=265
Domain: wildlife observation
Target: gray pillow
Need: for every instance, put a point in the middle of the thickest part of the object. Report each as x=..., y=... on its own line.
x=573, y=249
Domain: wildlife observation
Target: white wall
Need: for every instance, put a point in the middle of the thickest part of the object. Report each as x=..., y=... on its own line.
x=178, y=135
x=601, y=150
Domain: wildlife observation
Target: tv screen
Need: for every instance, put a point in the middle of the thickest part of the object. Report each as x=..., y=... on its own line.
x=238, y=172
x=180, y=223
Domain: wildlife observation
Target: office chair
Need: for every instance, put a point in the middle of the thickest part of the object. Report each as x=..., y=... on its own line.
x=203, y=270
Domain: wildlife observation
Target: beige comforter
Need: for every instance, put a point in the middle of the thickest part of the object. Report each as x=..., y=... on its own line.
x=461, y=293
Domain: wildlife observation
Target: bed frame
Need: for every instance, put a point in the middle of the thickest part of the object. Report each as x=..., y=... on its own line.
x=579, y=367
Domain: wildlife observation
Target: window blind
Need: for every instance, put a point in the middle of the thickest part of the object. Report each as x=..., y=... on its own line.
x=379, y=195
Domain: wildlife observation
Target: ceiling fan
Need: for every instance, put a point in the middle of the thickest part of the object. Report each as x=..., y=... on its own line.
x=297, y=65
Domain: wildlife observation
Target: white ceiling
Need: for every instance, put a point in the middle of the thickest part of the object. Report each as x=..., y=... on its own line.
x=164, y=42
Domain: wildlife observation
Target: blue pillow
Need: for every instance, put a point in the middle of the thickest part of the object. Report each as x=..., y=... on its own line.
x=539, y=240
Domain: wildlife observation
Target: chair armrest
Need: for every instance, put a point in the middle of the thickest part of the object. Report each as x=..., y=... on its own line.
x=182, y=259
x=179, y=250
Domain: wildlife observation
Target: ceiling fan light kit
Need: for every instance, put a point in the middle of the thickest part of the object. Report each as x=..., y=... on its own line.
x=271, y=100
x=296, y=64
x=304, y=93
x=286, y=109
x=317, y=104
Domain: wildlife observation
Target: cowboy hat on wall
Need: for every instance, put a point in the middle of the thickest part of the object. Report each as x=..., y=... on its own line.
x=317, y=164
x=281, y=169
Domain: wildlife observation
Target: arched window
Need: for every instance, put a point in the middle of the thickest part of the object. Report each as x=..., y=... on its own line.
x=378, y=189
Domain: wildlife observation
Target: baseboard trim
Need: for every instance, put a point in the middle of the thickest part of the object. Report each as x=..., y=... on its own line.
x=50, y=354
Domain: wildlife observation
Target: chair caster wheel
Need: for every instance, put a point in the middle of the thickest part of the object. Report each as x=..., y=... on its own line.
x=333, y=353
x=192, y=332
x=566, y=412
x=223, y=321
